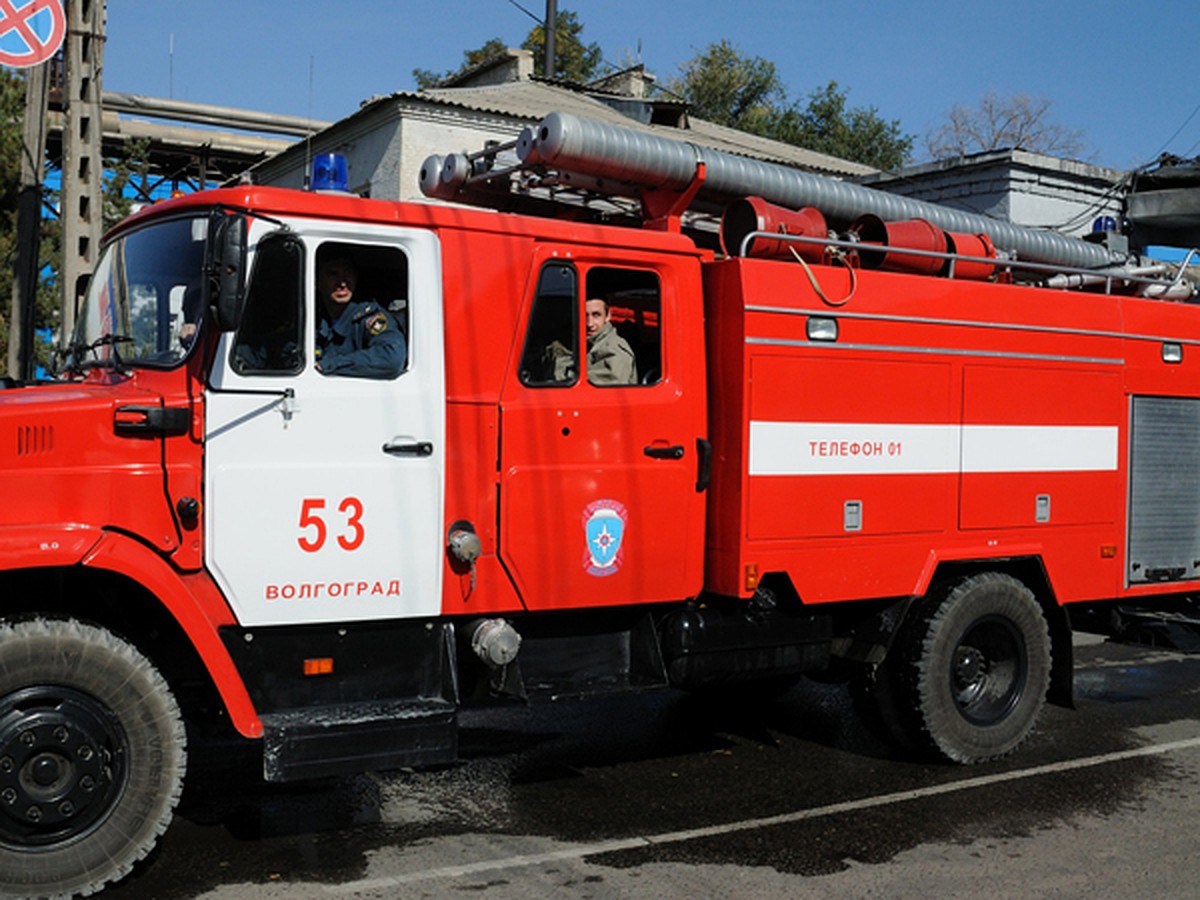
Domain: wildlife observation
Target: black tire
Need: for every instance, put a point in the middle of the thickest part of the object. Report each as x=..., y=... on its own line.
x=92, y=758
x=976, y=668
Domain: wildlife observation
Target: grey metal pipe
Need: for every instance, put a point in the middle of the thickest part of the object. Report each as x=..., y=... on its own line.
x=221, y=116
x=575, y=144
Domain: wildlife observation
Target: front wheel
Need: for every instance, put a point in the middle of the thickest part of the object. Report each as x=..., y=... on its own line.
x=92, y=757
x=976, y=668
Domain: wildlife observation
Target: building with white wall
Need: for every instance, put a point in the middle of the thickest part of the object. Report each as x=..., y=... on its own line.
x=388, y=138
x=1014, y=186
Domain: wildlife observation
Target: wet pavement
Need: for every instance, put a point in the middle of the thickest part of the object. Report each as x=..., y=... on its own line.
x=674, y=795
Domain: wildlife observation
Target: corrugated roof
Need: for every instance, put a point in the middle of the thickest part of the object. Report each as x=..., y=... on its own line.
x=531, y=100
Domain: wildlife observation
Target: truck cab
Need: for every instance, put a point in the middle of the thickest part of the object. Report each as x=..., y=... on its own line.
x=202, y=513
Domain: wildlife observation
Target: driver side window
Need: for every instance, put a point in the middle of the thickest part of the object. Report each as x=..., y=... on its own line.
x=270, y=339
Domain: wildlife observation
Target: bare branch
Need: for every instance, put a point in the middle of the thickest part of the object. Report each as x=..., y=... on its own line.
x=1001, y=122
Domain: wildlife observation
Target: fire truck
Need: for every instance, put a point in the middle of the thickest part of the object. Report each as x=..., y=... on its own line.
x=869, y=439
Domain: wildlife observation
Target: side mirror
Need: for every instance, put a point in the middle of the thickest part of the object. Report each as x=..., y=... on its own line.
x=227, y=270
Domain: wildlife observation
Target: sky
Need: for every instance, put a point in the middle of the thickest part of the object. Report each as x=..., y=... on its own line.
x=1124, y=74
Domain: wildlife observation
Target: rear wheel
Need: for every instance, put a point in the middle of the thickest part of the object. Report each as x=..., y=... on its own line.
x=92, y=757
x=976, y=668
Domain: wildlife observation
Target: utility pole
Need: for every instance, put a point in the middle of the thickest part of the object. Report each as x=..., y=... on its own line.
x=21, y=354
x=551, y=27
x=83, y=167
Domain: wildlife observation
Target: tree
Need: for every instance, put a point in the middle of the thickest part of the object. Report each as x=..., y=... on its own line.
x=724, y=86
x=573, y=60
x=426, y=78
x=12, y=149
x=120, y=171
x=1004, y=122
x=857, y=134
x=123, y=175
x=12, y=114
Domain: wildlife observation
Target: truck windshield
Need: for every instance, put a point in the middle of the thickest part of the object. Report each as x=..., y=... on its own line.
x=143, y=305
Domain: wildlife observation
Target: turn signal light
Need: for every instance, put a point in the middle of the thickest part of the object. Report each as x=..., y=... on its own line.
x=751, y=576
x=1108, y=551
x=319, y=666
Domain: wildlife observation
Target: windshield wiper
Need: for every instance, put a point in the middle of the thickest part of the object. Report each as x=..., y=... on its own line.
x=77, y=365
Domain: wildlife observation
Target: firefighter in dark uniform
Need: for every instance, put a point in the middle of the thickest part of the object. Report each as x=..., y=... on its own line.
x=354, y=337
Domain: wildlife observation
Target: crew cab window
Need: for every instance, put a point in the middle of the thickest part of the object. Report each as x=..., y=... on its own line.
x=610, y=330
x=632, y=302
x=270, y=339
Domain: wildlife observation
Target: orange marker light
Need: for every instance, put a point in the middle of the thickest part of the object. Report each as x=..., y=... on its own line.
x=751, y=576
x=319, y=666
x=1108, y=551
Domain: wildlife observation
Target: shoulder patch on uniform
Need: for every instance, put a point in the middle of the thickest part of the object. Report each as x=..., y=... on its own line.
x=377, y=324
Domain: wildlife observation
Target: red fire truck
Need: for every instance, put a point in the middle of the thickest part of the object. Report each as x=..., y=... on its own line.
x=859, y=444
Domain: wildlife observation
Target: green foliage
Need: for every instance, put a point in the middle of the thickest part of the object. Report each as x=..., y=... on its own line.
x=121, y=171
x=724, y=86
x=858, y=134
x=427, y=78
x=46, y=303
x=130, y=168
x=573, y=60
x=12, y=115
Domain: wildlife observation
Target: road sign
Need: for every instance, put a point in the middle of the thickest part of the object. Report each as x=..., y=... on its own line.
x=30, y=32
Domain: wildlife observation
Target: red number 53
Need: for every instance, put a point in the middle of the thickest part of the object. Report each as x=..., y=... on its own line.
x=312, y=515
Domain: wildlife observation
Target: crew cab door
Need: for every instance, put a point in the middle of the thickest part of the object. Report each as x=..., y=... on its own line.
x=600, y=503
x=324, y=492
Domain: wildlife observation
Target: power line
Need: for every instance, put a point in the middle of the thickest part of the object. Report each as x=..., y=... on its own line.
x=533, y=16
x=1167, y=143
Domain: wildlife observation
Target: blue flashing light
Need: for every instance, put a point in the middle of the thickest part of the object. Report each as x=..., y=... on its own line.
x=329, y=172
x=1103, y=224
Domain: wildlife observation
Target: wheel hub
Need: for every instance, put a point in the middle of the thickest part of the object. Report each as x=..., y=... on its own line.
x=987, y=671
x=969, y=666
x=61, y=764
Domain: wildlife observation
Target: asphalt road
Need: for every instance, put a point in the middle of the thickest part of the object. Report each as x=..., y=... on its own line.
x=669, y=796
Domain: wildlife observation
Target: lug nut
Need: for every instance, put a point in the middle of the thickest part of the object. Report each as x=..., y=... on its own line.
x=87, y=783
x=34, y=814
x=61, y=734
x=9, y=796
x=67, y=808
x=27, y=738
x=85, y=752
x=6, y=763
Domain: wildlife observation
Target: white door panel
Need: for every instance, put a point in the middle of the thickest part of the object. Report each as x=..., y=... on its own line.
x=325, y=504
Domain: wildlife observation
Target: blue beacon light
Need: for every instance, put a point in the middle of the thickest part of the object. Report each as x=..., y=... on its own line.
x=329, y=172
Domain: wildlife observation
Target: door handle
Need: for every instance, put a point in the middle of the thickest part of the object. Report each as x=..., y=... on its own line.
x=704, y=471
x=158, y=421
x=412, y=448
x=673, y=452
